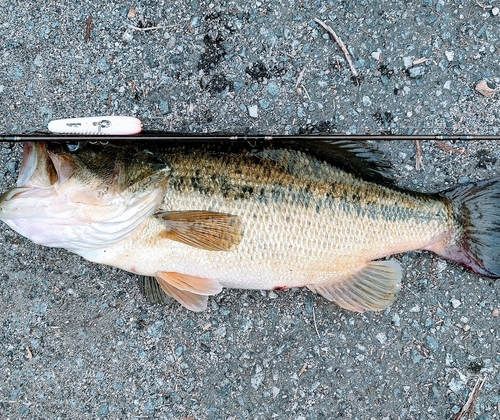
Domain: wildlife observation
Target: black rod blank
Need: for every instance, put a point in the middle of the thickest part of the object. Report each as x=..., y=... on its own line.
x=166, y=137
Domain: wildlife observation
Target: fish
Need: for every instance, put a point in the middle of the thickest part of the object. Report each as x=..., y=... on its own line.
x=192, y=218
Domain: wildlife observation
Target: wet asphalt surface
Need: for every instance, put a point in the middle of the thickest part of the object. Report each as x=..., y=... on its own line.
x=77, y=340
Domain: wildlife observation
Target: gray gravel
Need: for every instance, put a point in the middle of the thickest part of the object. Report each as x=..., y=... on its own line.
x=79, y=341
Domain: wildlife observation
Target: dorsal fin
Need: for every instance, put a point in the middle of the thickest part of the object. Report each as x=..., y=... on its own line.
x=354, y=157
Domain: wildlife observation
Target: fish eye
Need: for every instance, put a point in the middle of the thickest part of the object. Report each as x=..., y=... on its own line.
x=72, y=147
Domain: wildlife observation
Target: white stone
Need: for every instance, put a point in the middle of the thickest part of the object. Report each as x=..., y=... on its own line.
x=381, y=337
x=408, y=62
x=253, y=111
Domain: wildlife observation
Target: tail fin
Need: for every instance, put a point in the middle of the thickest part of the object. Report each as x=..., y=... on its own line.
x=476, y=213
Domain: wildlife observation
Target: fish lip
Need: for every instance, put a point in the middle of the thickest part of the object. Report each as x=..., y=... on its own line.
x=29, y=164
x=12, y=193
x=8, y=202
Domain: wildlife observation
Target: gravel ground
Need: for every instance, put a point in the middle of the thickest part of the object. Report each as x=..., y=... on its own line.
x=79, y=341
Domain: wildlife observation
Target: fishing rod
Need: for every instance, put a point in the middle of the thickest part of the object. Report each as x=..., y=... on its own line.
x=118, y=129
x=173, y=137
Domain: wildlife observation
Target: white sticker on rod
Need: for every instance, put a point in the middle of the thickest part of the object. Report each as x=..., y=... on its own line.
x=106, y=126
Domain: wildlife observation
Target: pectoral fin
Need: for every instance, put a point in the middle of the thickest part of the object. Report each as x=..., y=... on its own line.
x=191, y=292
x=202, y=229
x=373, y=287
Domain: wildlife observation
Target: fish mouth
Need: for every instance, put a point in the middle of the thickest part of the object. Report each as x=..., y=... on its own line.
x=37, y=167
x=41, y=170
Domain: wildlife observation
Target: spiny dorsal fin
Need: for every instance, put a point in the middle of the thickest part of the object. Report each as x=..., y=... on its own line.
x=190, y=291
x=373, y=287
x=202, y=229
x=354, y=157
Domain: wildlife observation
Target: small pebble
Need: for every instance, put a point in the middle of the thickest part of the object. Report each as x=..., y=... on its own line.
x=194, y=22
x=485, y=88
x=164, y=107
x=449, y=359
x=264, y=103
x=407, y=62
x=432, y=343
x=103, y=410
x=131, y=13
x=38, y=61
x=11, y=166
x=495, y=11
x=449, y=55
x=376, y=55
x=455, y=303
x=253, y=111
x=16, y=72
x=381, y=337
x=456, y=385
x=258, y=378
x=128, y=35
x=416, y=72
x=494, y=313
x=102, y=64
x=273, y=89
x=237, y=85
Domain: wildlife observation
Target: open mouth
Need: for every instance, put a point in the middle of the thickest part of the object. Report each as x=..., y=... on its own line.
x=39, y=167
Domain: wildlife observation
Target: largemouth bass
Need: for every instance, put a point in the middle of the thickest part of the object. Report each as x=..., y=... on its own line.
x=198, y=217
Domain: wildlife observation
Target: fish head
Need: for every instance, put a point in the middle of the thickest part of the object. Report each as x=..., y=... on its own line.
x=76, y=200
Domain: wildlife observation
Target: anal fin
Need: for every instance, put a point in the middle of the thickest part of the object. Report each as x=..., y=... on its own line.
x=190, y=291
x=372, y=288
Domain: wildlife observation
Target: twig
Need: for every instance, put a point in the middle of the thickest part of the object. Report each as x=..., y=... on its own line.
x=419, y=163
x=315, y=326
x=307, y=93
x=151, y=28
x=87, y=28
x=468, y=407
x=412, y=292
x=303, y=368
x=447, y=148
x=340, y=43
x=483, y=6
x=300, y=77
x=420, y=60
